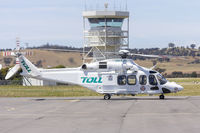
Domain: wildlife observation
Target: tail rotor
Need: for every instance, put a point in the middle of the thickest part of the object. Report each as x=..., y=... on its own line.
x=13, y=70
x=16, y=53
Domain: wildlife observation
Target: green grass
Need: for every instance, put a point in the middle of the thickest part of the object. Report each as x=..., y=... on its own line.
x=184, y=80
x=191, y=88
x=55, y=91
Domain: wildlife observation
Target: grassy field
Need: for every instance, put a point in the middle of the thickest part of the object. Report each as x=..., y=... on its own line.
x=74, y=59
x=181, y=64
x=191, y=88
x=50, y=91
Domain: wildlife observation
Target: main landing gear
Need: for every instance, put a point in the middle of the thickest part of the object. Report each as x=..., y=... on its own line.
x=107, y=97
x=162, y=96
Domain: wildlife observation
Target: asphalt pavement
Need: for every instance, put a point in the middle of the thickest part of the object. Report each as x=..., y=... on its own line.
x=95, y=115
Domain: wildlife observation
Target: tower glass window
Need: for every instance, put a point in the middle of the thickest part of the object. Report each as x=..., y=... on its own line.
x=109, y=22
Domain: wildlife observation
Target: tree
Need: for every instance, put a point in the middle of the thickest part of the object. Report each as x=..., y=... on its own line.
x=194, y=74
x=171, y=45
x=177, y=74
x=59, y=66
x=4, y=72
x=193, y=46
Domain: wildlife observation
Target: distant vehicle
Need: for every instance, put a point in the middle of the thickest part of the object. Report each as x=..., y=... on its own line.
x=108, y=77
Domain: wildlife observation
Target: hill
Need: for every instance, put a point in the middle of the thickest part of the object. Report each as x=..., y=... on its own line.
x=48, y=59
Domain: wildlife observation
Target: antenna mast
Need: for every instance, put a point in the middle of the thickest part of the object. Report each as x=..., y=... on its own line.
x=126, y=6
x=85, y=5
x=106, y=6
x=114, y=5
x=17, y=43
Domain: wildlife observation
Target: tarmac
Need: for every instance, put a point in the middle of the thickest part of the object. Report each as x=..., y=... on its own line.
x=95, y=115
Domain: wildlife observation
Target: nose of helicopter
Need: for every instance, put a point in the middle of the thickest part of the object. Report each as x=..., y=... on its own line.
x=178, y=88
x=174, y=87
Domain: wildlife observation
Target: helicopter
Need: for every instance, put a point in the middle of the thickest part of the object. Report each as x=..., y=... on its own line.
x=109, y=77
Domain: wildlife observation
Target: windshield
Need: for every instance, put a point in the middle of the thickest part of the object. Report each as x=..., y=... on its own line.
x=161, y=79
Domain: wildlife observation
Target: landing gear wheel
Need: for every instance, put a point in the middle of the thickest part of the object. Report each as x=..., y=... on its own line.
x=162, y=96
x=107, y=96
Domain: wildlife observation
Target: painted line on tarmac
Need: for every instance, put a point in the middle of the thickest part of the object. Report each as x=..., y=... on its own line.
x=73, y=100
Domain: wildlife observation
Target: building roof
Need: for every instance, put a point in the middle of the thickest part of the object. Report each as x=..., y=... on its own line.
x=103, y=14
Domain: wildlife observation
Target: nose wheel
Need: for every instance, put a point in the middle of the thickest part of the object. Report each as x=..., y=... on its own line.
x=107, y=97
x=162, y=96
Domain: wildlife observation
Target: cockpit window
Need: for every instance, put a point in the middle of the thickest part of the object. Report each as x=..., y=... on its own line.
x=143, y=79
x=152, y=80
x=121, y=80
x=161, y=79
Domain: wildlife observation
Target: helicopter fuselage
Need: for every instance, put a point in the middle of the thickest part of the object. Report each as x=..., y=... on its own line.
x=113, y=77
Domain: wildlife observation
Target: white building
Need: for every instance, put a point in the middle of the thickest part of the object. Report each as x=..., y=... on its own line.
x=36, y=82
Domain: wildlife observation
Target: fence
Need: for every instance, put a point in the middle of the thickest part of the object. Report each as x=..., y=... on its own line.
x=11, y=82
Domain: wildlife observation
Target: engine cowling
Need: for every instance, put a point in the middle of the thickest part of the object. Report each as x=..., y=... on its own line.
x=91, y=66
x=110, y=65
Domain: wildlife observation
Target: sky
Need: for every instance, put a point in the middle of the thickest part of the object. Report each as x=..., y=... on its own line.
x=153, y=23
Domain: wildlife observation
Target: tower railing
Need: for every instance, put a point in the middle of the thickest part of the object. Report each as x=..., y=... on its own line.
x=102, y=38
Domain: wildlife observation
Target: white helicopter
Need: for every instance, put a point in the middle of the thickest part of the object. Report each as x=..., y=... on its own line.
x=108, y=77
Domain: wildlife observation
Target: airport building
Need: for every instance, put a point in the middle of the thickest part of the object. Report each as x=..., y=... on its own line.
x=36, y=82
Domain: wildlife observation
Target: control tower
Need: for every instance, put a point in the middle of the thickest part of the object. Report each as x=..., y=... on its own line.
x=105, y=33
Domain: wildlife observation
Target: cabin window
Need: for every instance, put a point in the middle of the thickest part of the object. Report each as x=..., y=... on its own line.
x=121, y=80
x=152, y=80
x=102, y=65
x=131, y=79
x=143, y=79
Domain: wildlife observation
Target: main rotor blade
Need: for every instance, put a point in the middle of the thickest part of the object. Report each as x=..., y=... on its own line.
x=150, y=56
x=65, y=50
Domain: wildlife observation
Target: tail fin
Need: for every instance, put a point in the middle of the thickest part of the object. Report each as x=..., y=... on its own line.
x=29, y=70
